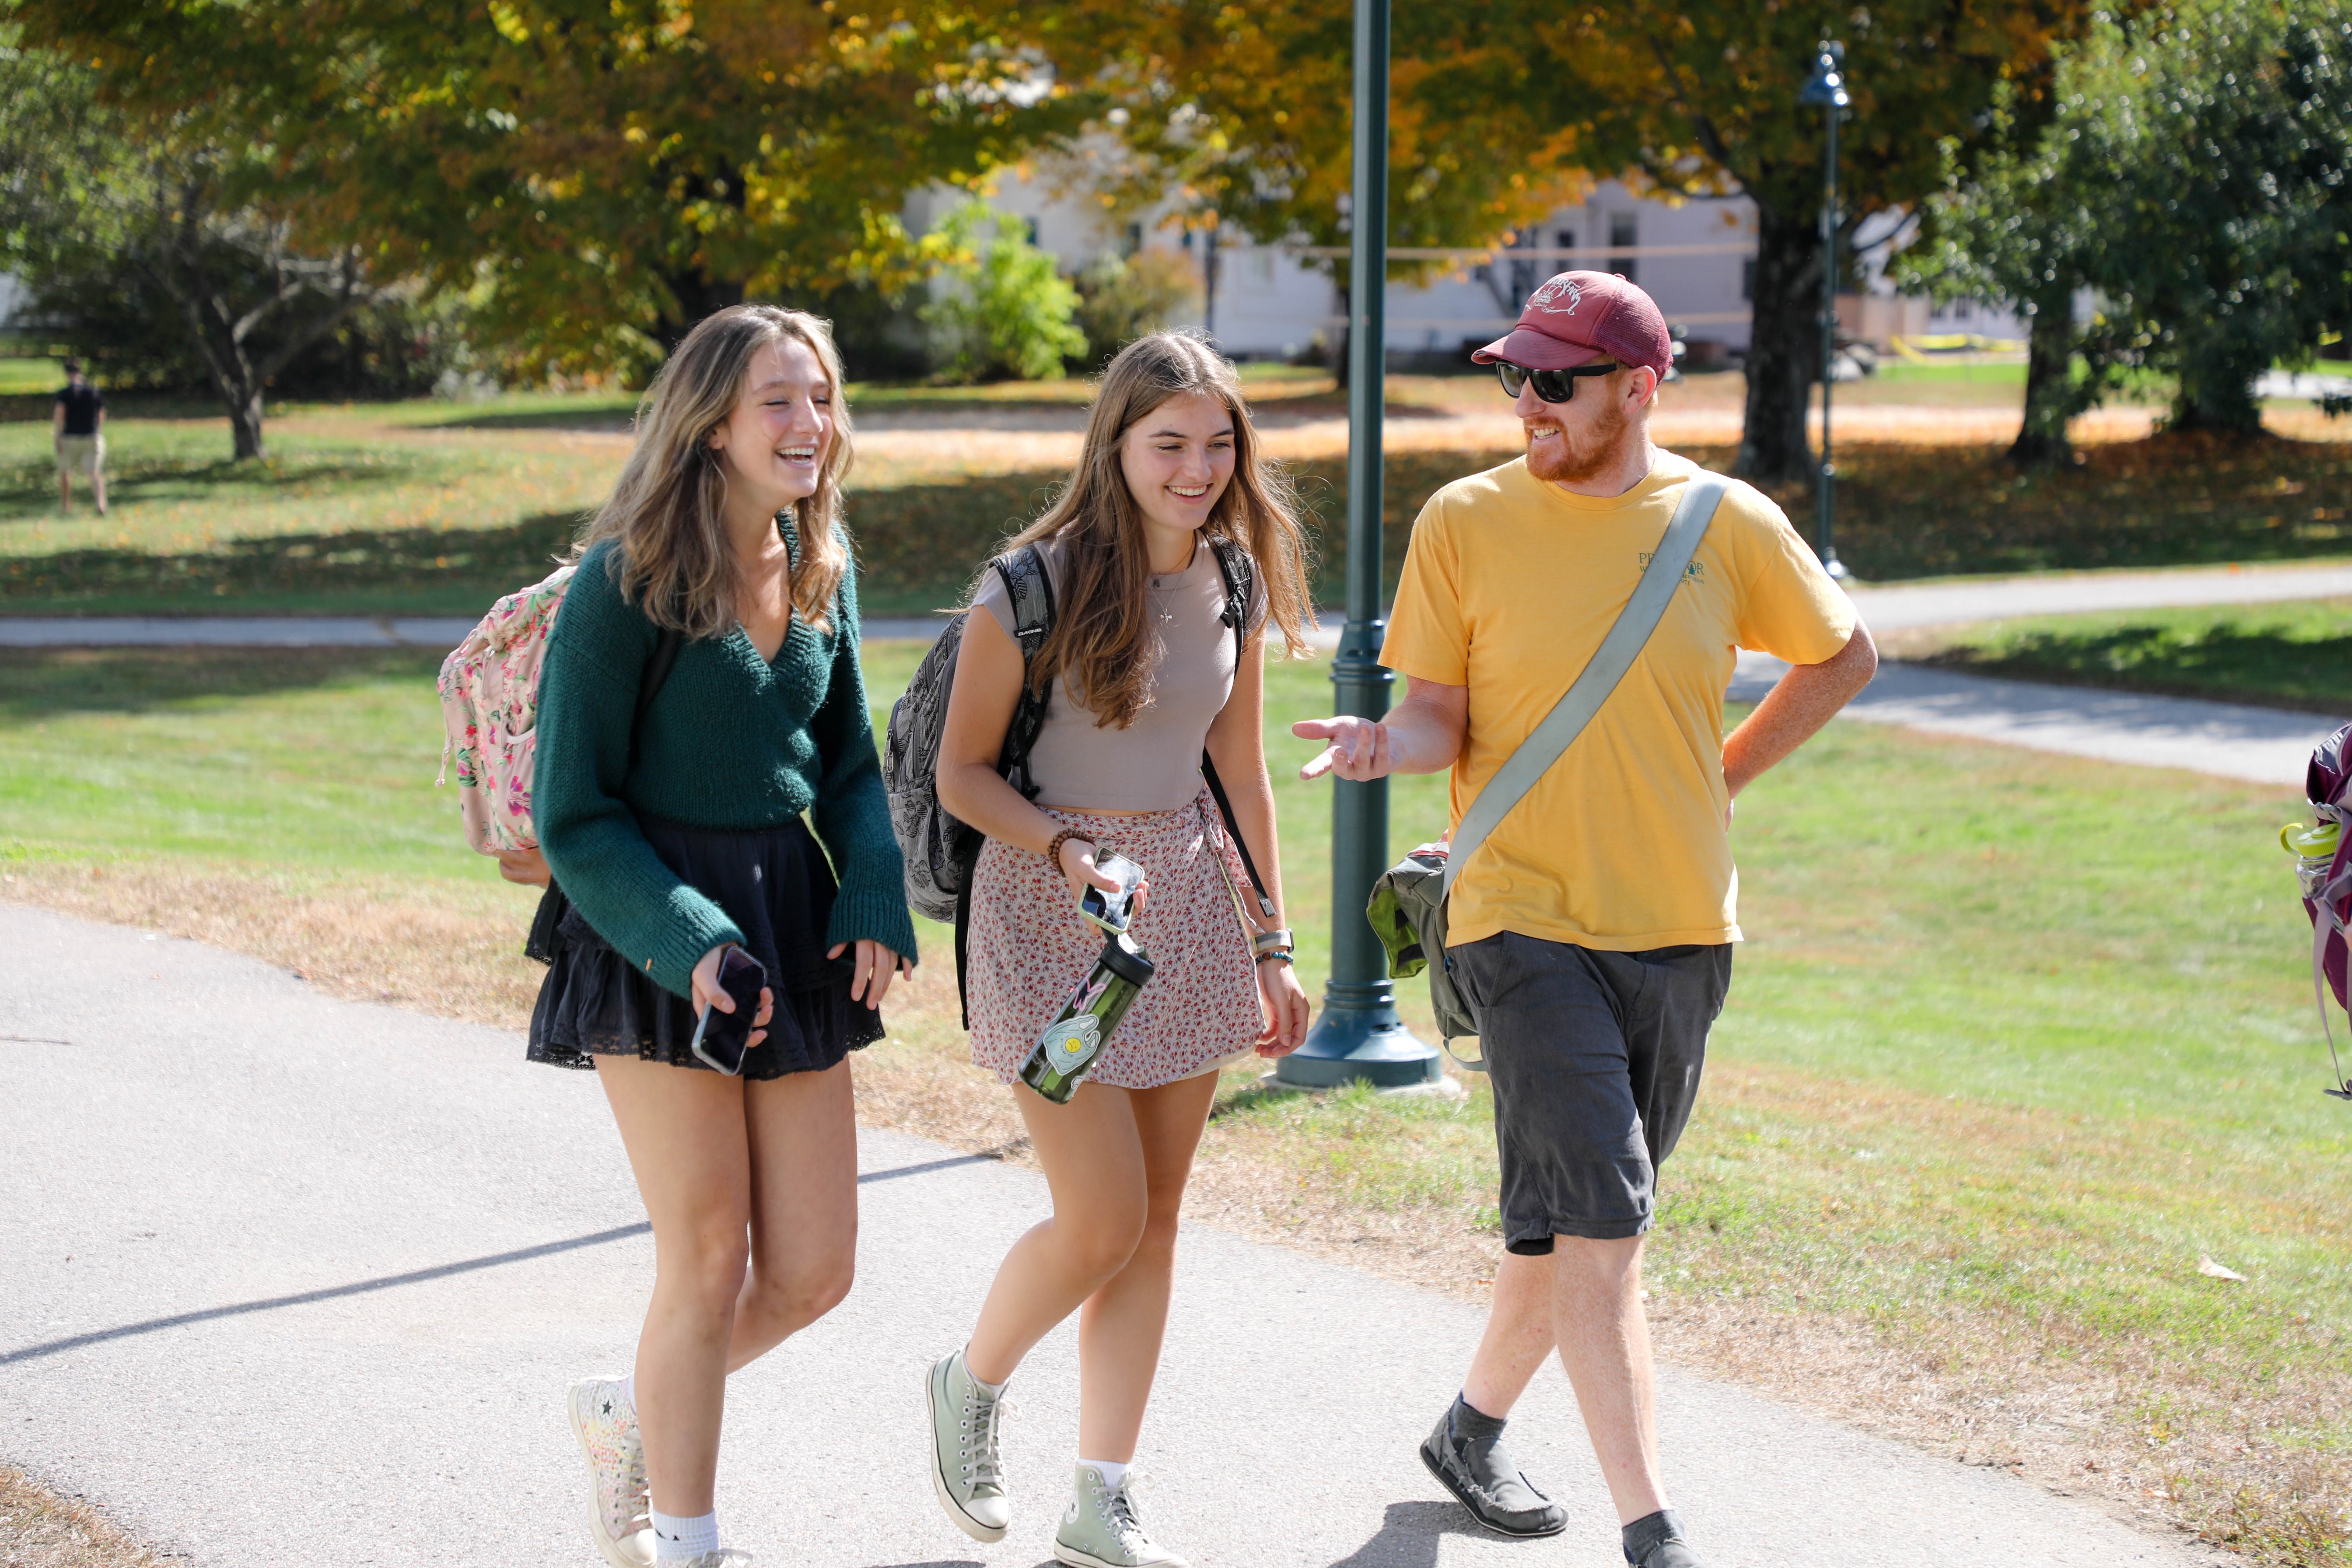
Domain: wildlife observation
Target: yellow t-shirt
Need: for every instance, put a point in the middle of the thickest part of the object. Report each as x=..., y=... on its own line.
x=1510, y=586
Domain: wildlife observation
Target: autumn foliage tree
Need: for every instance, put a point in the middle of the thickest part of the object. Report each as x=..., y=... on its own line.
x=599, y=174
x=1701, y=98
x=2193, y=178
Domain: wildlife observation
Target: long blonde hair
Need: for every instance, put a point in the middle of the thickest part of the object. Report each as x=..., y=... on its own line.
x=667, y=509
x=1104, y=642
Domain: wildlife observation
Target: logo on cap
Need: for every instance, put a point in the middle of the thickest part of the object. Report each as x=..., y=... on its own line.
x=1542, y=299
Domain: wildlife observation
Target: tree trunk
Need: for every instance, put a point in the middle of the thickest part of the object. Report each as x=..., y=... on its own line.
x=1784, y=349
x=698, y=295
x=2216, y=395
x=244, y=423
x=2050, y=395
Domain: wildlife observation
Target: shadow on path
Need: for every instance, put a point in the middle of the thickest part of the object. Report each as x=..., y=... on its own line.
x=413, y=1277
x=1410, y=1534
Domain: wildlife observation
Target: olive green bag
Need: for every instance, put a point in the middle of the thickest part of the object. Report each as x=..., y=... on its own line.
x=1407, y=909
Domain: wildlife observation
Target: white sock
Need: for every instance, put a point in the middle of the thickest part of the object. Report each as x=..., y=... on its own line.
x=629, y=1392
x=1113, y=1473
x=675, y=1538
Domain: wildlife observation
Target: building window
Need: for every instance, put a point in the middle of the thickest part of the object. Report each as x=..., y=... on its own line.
x=1566, y=239
x=1029, y=227
x=1134, y=238
x=1747, y=279
x=1623, y=233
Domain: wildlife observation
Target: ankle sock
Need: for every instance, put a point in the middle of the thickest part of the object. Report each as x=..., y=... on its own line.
x=1644, y=1534
x=675, y=1538
x=1113, y=1473
x=629, y=1392
x=1471, y=1424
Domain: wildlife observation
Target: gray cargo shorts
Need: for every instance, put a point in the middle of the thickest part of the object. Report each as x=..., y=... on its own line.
x=1595, y=1059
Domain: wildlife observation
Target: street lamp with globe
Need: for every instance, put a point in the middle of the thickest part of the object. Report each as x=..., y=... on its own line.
x=1826, y=91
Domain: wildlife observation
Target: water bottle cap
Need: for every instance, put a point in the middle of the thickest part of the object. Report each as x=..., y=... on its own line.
x=2311, y=843
x=1124, y=959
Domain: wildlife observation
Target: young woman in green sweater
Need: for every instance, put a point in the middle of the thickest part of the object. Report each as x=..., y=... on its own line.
x=677, y=834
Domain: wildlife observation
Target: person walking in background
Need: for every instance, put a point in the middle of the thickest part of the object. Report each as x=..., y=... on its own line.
x=676, y=836
x=1149, y=663
x=78, y=429
x=1590, y=935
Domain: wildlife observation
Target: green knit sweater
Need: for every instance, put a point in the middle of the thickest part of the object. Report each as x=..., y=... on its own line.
x=731, y=741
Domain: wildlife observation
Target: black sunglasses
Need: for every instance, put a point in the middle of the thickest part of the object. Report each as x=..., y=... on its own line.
x=1551, y=385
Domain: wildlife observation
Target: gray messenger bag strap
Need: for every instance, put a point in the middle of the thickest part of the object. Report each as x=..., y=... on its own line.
x=1408, y=904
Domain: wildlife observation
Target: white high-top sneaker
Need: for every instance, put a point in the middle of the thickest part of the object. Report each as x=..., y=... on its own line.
x=619, y=1515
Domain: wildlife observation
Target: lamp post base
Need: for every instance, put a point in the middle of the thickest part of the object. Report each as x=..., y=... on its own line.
x=1359, y=1045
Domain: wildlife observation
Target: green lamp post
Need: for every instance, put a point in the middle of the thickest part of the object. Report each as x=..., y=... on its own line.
x=1359, y=1036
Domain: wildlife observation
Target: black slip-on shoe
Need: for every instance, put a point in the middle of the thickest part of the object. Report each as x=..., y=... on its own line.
x=1483, y=1478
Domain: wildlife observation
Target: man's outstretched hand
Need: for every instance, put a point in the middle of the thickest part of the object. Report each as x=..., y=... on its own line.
x=1358, y=748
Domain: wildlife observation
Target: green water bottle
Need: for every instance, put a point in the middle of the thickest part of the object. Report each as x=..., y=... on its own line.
x=1082, y=1029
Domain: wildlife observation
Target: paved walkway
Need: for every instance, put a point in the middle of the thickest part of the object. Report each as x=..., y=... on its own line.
x=2265, y=745
x=292, y=1281
x=2262, y=745
x=1885, y=609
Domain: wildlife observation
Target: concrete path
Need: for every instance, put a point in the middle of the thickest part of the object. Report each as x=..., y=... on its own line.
x=291, y=1282
x=2226, y=740
x=1884, y=608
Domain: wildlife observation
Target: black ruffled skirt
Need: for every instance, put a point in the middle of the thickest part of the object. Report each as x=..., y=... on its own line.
x=775, y=886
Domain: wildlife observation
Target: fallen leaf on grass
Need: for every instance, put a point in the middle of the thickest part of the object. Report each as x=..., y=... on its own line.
x=2214, y=1270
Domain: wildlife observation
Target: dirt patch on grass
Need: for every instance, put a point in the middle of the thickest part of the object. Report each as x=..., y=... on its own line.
x=39, y=1529
x=2236, y=1452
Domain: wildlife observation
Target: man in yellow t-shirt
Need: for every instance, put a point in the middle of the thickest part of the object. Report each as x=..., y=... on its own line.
x=1590, y=934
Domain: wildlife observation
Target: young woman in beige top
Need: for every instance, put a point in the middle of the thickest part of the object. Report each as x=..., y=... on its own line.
x=1145, y=674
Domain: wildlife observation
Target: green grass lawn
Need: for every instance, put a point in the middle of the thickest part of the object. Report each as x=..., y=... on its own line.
x=2292, y=655
x=24, y=377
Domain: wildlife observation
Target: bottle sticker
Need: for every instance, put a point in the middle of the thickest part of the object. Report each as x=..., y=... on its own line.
x=1072, y=1043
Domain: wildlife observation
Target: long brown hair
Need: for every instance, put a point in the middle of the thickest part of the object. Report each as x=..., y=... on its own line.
x=667, y=509
x=1105, y=641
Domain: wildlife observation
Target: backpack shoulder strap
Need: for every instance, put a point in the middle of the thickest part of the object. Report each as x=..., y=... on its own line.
x=1240, y=572
x=1031, y=591
x=1609, y=662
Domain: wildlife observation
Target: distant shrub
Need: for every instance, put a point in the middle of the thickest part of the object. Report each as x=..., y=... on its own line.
x=1005, y=310
x=1122, y=297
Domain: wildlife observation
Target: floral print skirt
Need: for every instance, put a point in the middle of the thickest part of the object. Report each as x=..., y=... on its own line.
x=1028, y=949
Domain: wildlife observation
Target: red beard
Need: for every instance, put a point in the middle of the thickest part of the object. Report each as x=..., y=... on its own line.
x=1572, y=460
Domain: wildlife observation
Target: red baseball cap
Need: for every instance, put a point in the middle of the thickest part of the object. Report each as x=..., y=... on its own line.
x=1579, y=317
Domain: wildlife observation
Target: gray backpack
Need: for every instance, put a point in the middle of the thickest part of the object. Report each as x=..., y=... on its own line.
x=1407, y=909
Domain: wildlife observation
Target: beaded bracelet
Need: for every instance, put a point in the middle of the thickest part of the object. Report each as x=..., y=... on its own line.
x=1053, y=849
x=1280, y=956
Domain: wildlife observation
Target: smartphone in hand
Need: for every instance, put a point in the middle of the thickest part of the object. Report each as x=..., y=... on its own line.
x=1111, y=912
x=719, y=1038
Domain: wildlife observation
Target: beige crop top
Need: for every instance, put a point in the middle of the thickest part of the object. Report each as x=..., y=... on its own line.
x=1153, y=764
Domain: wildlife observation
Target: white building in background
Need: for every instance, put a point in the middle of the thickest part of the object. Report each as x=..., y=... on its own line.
x=1696, y=257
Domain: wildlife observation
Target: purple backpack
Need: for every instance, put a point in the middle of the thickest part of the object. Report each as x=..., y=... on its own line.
x=2327, y=888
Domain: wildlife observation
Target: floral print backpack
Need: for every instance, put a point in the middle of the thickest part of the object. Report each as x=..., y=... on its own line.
x=489, y=706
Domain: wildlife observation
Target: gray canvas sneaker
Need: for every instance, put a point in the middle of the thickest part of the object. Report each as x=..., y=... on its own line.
x=1099, y=1529
x=965, y=1472
x=1487, y=1481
